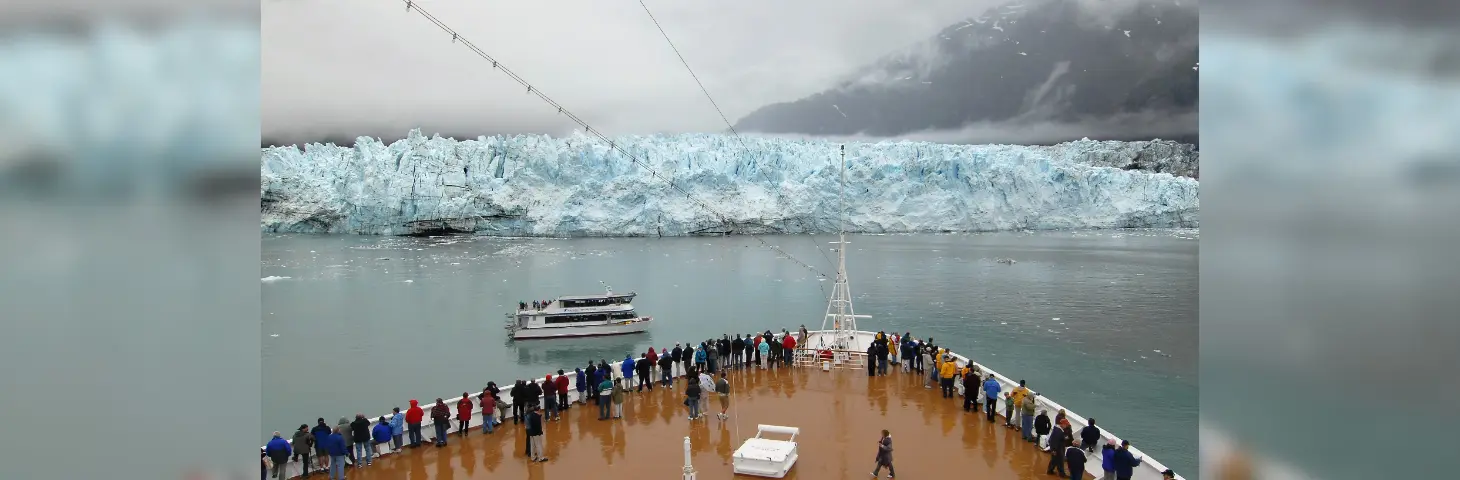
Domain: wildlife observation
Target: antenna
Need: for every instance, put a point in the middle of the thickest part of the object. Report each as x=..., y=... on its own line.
x=844, y=320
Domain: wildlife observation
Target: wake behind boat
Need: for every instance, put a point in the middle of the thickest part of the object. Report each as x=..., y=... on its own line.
x=577, y=316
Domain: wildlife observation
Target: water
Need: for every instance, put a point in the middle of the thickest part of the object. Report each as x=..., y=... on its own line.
x=364, y=323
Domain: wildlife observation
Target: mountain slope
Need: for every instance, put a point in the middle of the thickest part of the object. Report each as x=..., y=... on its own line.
x=1021, y=65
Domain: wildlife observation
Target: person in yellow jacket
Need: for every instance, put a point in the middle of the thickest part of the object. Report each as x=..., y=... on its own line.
x=892, y=344
x=946, y=370
x=1018, y=396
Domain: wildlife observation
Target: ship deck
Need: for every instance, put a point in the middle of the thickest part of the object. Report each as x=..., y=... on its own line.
x=840, y=413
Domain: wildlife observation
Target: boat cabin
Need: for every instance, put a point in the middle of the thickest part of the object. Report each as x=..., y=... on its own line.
x=594, y=300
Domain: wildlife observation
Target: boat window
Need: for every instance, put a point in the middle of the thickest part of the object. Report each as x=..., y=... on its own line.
x=555, y=319
x=623, y=316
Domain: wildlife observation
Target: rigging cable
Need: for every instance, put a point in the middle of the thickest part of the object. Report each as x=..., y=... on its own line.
x=456, y=37
x=735, y=133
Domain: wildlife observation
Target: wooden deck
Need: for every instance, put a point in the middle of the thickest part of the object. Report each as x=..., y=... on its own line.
x=840, y=414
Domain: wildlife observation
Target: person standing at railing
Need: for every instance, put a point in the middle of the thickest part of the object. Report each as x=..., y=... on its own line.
x=947, y=370
x=737, y=351
x=604, y=398
x=562, y=390
x=549, y=399
x=1041, y=426
x=618, y=398
x=722, y=348
x=580, y=383
x=627, y=370
x=1026, y=417
x=397, y=429
x=1019, y=393
x=1075, y=460
x=463, y=414
x=789, y=345
x=531, y=395
x=762, y=351
x=971, y=383
x=321, y=431
x=414, y=415
x=991, y=389
x=594, y=378
x=303, y=446
x=335, y=446
x=348, y=434
x=894, y=344
x=644, y=367
x=360, y=432
x=666, y=368
x=1107, y=460
x=278, y=451
x=381, y=435
x=489, y=410
x=1090, y=435
x=871, y=359
x=1125, y=462
x=441, y=419
x=882, y=352
x=653, y=363
x=677, y=354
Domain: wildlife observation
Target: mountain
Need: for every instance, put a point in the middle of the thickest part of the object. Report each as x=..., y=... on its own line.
x=1041, y=73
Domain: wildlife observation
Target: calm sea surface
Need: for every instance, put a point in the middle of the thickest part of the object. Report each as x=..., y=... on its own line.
x=1104, y=322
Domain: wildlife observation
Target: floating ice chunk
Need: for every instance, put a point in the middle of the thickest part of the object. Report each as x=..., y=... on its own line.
x=275, y=335
x=409, y=281
x=1055, y=318
x=273, y=278
x=1127, y=33
x=1024, y=54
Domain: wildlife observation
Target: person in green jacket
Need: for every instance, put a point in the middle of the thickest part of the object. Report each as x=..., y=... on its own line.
x=605, y=390
x=1026, y=415
x=618, y=398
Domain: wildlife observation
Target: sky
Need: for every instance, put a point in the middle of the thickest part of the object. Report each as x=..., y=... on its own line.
x=340, y=69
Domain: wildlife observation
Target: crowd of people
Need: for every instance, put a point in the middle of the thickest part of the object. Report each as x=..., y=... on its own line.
x=703, y=367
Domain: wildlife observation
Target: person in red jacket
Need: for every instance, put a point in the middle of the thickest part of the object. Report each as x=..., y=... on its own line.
x=653, y=363
x=413, y=422
x=562, y=384
x=463, y=413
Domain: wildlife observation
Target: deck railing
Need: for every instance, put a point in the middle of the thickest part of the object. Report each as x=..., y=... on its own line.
x=1149, y=468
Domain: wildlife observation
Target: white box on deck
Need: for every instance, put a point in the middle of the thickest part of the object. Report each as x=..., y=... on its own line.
x=765, y=457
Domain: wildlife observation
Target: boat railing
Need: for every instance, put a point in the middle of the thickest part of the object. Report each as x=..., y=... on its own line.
x=1149, y=469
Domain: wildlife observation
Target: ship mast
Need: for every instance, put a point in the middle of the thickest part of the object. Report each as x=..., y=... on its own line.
x=839, y=310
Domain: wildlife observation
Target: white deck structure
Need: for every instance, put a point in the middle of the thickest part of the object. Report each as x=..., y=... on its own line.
x=765, y=457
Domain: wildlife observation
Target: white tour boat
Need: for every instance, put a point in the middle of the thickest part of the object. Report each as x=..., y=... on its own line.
x=578, y=316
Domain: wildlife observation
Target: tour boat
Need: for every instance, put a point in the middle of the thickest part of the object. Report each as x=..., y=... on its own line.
x=578, y=316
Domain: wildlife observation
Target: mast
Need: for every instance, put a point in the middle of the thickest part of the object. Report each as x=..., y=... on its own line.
x=839, y=310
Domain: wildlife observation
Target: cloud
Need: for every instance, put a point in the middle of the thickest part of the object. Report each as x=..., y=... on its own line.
x=346, y=68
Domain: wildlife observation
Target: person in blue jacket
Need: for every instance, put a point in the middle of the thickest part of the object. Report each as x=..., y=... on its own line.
x=1107, y=460
x=991, y=390
x=335, y=446
x=278, y=451
x=381, y=433
x=580, y=384
x=397, y=428
x=628, y=369
x=1124, y=461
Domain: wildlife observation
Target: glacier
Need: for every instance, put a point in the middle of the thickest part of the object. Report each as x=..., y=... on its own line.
x=536, y=185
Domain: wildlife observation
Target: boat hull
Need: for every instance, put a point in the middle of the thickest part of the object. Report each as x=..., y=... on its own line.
x=582, y=331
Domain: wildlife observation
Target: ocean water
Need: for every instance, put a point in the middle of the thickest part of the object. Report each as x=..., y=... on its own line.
x=1104, y=322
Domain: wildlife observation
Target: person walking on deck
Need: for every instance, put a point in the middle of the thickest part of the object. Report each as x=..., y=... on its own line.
x=1125, y=462
x=707, y=386
x=580, y=384
x=562, y=390
x=380, y=434
x=397, y=429
x=414, y=415
x=722, y=389
x=692, y=399
x=884, y=456
x=463, y=414
x=618, y=398
x=441, y=419
x=348, y=433
x=1090, y=435
x=991, y=390
x=1057, y=446
x=489, y=410
x=321, y=432
x=1026, y=417
x=535, y=444
x=1075, y=460
x=303, y=446
x=278, y=451
x=337, y=449
x=360, y=432
x=949, y=368
x=549, y=399
x=872, y=360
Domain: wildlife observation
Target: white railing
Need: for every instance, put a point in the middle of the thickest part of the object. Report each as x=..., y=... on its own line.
x=1149, y=469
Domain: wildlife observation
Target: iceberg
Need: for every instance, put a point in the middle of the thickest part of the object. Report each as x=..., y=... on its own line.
x=536, y=185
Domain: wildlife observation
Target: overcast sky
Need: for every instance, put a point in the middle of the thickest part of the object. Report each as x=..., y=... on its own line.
x=341, y=68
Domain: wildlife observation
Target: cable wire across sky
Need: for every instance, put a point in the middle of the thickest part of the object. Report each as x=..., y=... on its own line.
x=456, y=37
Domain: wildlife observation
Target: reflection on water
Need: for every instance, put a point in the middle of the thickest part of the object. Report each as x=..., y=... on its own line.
x=550, y=355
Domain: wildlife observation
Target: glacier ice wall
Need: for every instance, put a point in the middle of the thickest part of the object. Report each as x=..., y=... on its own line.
x=531, y=185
